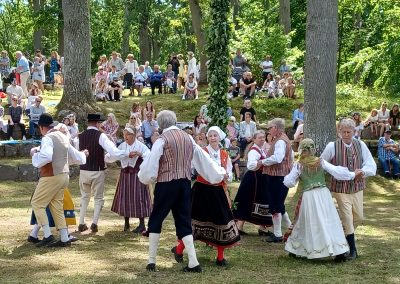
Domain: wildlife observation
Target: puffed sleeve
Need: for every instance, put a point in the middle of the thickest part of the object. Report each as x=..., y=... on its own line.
x=291, y=179
x=338, y=172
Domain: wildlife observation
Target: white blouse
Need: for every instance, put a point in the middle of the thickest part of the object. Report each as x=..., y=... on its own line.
x=124, y=156
x=253, y=157
x=338, y=172
x=216, y=157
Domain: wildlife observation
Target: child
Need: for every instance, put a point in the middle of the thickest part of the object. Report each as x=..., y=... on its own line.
x=190, y=89
x=101, y=90
x=317, y=231
x=372, y=122
x=234, y=154
x=359, y=125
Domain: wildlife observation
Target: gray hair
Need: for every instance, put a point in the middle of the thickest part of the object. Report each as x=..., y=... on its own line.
x=166, y=118
x=347, y=123
x=279, y=123
x=258, y=132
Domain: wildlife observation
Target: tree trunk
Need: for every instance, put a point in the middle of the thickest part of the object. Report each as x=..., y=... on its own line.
x=235, y=13
x=144, y=7
x=340, y=47
x=284, y=15
x=201, y=41
x=267, y=6
x=190, y=45
x=126, y=27
x=77, y=95
x=38, y=33
x=320, y=71
x=60, y=29
x=357, y=42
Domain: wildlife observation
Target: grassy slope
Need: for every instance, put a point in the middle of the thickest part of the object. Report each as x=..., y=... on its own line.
x=112, y=256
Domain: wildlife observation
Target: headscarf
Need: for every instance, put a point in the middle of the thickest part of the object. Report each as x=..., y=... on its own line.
x=221, y=134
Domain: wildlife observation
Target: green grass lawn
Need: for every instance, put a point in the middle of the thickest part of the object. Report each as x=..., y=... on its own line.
x=112, y=256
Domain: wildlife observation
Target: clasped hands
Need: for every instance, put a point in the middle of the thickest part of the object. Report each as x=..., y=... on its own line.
x=359, y=174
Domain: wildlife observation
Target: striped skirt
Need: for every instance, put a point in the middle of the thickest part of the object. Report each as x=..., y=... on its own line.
x=132, y=198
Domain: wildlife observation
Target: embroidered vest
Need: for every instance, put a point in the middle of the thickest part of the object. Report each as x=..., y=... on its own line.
x=224, y=162
x=262, y=154
x=283, y=168
x=350, y=157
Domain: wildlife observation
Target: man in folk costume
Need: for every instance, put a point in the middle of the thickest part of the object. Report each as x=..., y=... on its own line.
x=169, y=164
x=276, y=166
x=52, y=159
x=92, y=174
x=354, y=155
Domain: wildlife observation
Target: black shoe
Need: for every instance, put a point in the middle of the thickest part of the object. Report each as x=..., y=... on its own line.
x=151, y=267
x=72, y=238
x=59, y=244
x=242, y=233
x=178, y=257
x=46, y=241
x=222, y=262
x=264, y=233
x=33, y=240
x=146, y=233
x=340, y=258
x=94, y=228
x=126, y=227
x=351, y=256
x=82, y=227
x=273, y=239
x=196, y=269
x=292, y=255
x=139, y=230
x=387, y=175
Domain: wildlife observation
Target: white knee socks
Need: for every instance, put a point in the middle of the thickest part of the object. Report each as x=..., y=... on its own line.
x=46, y=231
x=189, y=247
x=35, y=231
x=277, y=221
x=286, y=220
x=153, y=245
x=64, y=235
x=82, y=211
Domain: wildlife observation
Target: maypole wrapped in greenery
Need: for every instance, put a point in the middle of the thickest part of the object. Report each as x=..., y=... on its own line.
x=218, y=66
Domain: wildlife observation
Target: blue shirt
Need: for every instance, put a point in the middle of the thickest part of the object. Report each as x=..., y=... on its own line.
x=382, y=152
x=298, y=116
x=23, y=62
x=147, y=129
x=156, y=76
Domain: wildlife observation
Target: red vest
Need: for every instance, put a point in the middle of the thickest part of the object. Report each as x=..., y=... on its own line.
x=224, y=161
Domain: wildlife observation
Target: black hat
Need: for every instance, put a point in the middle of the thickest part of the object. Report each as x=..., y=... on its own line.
x=388, y=131
x=95, y=117
x=47, y=120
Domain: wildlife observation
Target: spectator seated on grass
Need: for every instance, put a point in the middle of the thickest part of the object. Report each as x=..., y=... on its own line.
x=110, y=127
x=156, y=80
x=394, y=116
x=3, y=124
x=232, y=91
x=101, y=90
x=101, y=74
x=149, y=128
x=115, y=86
x=232, y=129
x=247, y=85
x=383, y=118
x=190, y=91
x=169, y=80
x=246, y=131
x=15, y=118
x=298, y=116
x=248, y=108
x=290, y=88
x=388, y=154
x=14, y=90
x=36, y=111
x=372, y=122
x=140, y=80
x=359, y=125
x=273, y=88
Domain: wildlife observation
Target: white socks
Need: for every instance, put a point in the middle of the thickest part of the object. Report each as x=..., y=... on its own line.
x=97, y=210
x=82, y=211
x=153, y=245
x=64, y=235
x=189, y=247
x=46, y=231
x=286, y=220
x=277, y=221
x=35, y=231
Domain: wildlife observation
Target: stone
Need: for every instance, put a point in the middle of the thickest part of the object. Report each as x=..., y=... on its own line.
x=2, y=151
x=25, y=149
x=27, y=172
x=8, y=172
x=10, y=150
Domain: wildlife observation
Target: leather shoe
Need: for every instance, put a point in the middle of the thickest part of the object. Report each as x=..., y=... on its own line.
x=151, y=267
x=94, y=228
x=127, y=227
x=138, y=230
x=264, y=233
x=33, y=240
x=273, y=239
x=46, y=241
x=59, y=244
x=351, y=256
x=222, y=262
x=82, y=227
x=178, y=257
x=340, y=258
x=146, y=233
x=292, y=255
x=72, y=238
x=196, y=269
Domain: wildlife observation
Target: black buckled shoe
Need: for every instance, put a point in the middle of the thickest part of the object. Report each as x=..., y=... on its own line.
x=94, y=228
x=273, y=239
x=151, y=267
x=82, y=228
x=222, y=262
x=352, y=255
x=59, y=244
x=340, y=258
x=264, y=233
x=196, y=269
x=33, y=240
x=178, y=257
x=46, y=241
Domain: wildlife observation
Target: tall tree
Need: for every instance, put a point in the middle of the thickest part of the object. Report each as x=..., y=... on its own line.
x=128, y=5
x=218, y=37
x=284, y=15
x=320, y=71
x=38, y=33
x=197, y=23
x=77, y=95
x=143, y=7
x=60, y=28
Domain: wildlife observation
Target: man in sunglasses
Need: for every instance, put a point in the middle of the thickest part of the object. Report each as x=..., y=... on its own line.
x=15, y=118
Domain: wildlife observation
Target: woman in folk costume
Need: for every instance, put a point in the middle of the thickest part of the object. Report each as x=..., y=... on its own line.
x=251, y=200
x=317, y=230
x=132, y=198
x=212, y=219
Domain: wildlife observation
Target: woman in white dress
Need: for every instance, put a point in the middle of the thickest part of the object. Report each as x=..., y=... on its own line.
x=317, y=231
